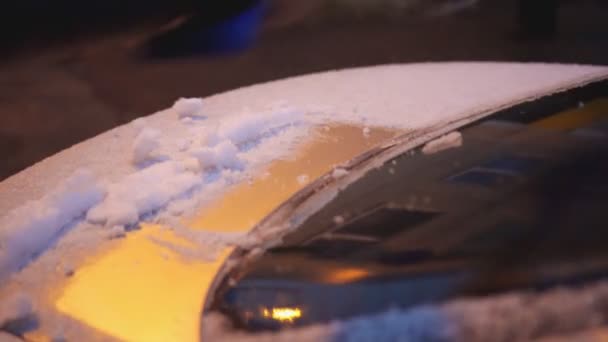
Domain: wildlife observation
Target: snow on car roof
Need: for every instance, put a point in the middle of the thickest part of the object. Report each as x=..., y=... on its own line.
x=195, y=135
x=408, y=96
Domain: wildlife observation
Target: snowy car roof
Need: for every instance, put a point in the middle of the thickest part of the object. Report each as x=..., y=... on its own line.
x=175, y=167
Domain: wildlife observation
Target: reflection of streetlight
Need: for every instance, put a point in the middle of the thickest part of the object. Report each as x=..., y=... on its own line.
x=346, y=275
x=283, y=315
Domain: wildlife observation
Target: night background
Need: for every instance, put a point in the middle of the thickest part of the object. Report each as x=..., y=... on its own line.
x=72, y=69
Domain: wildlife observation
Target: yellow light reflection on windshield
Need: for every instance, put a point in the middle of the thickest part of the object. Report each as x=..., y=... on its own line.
x=140, y=291
x=247, y=204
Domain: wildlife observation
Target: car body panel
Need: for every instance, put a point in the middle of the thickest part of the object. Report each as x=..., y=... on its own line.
x=120, y=284
x=381, y=271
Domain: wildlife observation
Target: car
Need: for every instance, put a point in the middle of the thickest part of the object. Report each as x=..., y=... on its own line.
x=423, y=201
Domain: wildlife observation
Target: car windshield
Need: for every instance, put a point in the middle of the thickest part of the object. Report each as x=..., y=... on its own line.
x=518, y=205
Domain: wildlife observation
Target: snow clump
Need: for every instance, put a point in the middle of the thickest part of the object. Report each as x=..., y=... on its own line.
x=188, y=108
x=145, y=145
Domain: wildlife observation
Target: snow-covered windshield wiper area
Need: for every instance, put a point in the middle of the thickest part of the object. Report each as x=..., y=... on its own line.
x=501, y=219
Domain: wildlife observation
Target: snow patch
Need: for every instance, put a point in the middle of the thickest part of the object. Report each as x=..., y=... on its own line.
x=188, y=108
x=213, y=153
x=16, y=306
x=187, y=120
x=143, y=192
x=222, y=156
x=450, y=140
x=145, y=145
x=116, y=232
x=249, y=127
x=139, y=123
x=183, y=144
x=190, y=164
x=30, y=229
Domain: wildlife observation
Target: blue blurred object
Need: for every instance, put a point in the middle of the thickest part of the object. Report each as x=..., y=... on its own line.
x=200, y=34
x=234, y=33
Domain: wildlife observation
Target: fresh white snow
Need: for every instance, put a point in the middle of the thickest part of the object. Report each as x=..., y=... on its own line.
x=143, y=192
x=166, y=169
x=221, y=156
x=188, y=108
x=139, y=123
x=248, y=127
x=412, y=96
x=186, y=120
x=213, y=152
x=145, y=144
x=30, y=229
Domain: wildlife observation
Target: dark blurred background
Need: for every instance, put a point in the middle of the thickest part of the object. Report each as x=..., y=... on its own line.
x=72, y=69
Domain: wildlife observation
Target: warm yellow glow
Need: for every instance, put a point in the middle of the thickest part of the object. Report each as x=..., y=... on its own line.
x=346, y=275
x=140, y=291
x=577, y=117
x=248, y=203
x=283, y=315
